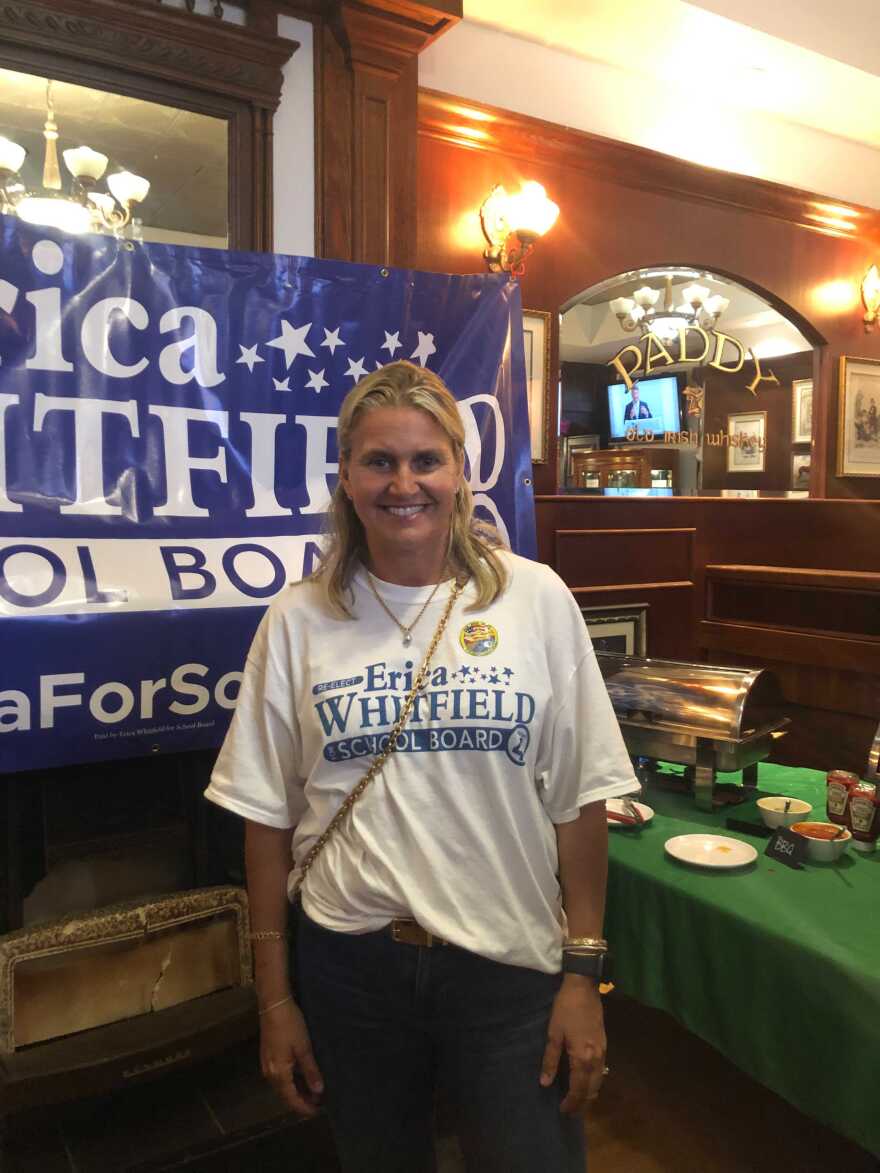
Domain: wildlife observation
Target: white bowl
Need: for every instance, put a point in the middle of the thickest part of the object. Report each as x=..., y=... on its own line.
x=823, y=850
x=774, y=814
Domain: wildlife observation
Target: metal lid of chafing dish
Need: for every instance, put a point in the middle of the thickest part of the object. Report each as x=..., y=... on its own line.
x=704, y=699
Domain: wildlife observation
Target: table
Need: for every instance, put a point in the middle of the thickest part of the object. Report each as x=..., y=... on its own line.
x=778, y=969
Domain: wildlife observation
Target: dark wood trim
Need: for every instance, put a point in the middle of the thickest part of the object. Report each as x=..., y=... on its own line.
x=792, y=646
x=160, y=54
x=861, y=580
x=683, y=584
x=491, y=129
x=366, y=126
x=262, y=17
x=724, y=502
x=567, y=533
x=152, y=40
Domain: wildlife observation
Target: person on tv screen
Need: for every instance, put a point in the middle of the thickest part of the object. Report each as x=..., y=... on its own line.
x=637, y=409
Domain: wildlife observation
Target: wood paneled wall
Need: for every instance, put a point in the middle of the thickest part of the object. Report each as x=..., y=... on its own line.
x=623, y=208
x=789, y=585
x=723, y=398
x=366, y=55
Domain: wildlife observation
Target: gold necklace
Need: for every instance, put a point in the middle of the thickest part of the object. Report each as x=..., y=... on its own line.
x=407, y=631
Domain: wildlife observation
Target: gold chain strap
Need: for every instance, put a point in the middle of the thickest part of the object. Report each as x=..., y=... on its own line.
x=378, y=762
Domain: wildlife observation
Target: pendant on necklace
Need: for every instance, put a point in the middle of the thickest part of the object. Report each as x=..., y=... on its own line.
x=407, y=639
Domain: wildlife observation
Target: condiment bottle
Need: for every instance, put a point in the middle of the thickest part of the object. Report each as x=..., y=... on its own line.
x=839, y=783
x=864, y=816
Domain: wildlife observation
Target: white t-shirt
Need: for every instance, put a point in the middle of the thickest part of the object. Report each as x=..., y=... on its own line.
x=514, y=733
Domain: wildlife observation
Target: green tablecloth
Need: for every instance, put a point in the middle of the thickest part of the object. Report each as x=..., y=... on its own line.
x=778, y=969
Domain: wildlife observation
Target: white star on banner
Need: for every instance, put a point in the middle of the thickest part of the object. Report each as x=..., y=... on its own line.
x=292, y=340
x=249, y=356
x=425, y=348
x=282, y=384
x=332, y=339
x=392, y=342
x=357, y=370
x=317, y=382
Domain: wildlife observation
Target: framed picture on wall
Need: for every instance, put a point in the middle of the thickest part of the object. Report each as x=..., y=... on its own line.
x=800, y=470
x=536, y=341
x=801, y=411
x=858, y=424
x=618, y=629
x=746, y=439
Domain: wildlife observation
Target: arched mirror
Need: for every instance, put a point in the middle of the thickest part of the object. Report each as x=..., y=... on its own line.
x=678, y=381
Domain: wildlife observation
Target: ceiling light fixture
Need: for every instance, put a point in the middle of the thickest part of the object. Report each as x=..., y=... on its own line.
x=871, y=297
x=700, y=307
x=82, y=210
x=513, y=223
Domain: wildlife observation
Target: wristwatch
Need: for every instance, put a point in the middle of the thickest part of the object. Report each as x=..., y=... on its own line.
x=594, y=965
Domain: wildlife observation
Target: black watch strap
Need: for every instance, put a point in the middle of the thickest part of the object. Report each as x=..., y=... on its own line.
x=594, y=965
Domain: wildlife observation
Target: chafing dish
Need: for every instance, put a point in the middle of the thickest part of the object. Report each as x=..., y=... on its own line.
x=703, y=716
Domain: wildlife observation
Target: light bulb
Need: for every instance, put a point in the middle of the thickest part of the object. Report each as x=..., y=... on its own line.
x=67, y=215
x=695, y=295
x=871, y=290
x=128, y=188
x=621, y=306
x=646, y=297
x=84, y=163
x=11, y=155
x=530, y=211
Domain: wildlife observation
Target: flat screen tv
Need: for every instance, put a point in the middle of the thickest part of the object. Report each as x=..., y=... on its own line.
x=653, y=405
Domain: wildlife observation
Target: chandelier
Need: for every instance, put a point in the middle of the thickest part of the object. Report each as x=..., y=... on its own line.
x=83, y=209
x=700, y=307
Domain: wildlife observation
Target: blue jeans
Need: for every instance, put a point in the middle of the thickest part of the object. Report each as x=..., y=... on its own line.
x=393, y=1023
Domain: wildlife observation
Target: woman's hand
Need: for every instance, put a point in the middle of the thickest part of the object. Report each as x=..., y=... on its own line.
x=577, y=1027
x=285, y=1052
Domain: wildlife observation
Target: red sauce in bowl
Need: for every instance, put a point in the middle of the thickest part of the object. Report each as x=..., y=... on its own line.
x=818, y=830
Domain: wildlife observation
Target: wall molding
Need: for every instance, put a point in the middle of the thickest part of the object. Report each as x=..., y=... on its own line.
x=366, y=125
x=491, y=129
x=154, y=41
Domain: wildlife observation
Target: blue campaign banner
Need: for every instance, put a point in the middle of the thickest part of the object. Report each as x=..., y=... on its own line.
x=167, y=452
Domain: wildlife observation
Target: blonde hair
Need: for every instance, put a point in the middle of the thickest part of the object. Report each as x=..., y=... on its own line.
x=473, y=544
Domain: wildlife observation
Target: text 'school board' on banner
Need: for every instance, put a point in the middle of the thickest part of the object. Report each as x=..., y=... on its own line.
x=167, y=453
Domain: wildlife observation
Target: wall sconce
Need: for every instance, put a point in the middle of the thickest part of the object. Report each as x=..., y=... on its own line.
x=871, y=297
x=512, y=223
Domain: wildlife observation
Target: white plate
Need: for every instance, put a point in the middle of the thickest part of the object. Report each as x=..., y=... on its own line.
x=616, y=805
x=711, y=851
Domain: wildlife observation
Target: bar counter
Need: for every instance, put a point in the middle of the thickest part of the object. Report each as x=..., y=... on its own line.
x=776, y=968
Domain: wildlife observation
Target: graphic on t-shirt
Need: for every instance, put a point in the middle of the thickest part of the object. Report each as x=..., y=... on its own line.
x=478, y=638
x=517, y=744
x=465, y=708
x=329, y=685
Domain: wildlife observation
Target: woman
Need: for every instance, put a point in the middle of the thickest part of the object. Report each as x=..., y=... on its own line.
x=432, y=934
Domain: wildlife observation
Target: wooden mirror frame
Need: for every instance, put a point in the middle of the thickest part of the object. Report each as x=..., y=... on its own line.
x=182, y=59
